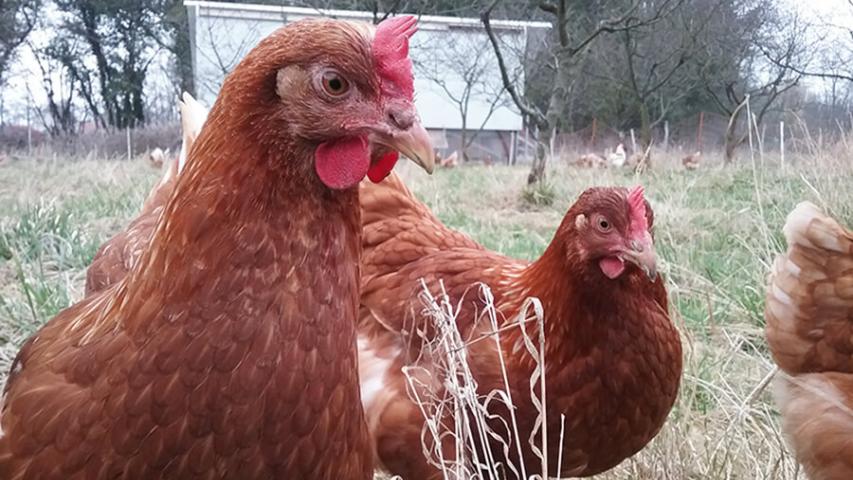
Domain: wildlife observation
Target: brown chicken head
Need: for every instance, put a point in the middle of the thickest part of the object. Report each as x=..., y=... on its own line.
x=613, y=230
x=341, y=93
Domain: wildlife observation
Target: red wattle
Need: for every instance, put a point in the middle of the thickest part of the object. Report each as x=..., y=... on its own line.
x=381, y=169
x=342, y=163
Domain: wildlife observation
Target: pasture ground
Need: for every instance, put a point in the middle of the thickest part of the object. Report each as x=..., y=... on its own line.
x=717, y=231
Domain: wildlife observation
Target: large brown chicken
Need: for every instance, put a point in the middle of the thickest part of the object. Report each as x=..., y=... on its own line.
x=613, y=357
x=229, y=349
x=809, y=317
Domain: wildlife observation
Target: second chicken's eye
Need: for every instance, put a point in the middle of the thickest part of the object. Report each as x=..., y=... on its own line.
x=334, y=83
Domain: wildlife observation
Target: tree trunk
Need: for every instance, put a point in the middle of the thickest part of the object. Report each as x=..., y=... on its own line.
x=181, y=48
x=645, y=127
x=730, y=147
x=540, y=160
x=645, y=136
x=464, y=139
x=732, y=140
x=556, y=109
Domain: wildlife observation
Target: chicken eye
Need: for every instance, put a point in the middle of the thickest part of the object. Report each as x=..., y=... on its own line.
x=334, y=83
x=603, y=224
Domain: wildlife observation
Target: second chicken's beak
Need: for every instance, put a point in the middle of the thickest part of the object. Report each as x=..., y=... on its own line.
x=641, y=252
x=406, y=135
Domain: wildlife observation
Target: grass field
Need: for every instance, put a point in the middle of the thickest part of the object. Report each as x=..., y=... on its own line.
x=717, y=230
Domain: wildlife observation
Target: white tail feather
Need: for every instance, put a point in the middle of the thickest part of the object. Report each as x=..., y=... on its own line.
x=193, y=116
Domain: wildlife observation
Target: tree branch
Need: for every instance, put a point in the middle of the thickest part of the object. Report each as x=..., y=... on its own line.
x=624, y=22
x=552, y=8
x=530, y=111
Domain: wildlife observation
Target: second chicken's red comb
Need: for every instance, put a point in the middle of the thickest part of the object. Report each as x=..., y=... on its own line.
x=391, y=52
x=637, y=205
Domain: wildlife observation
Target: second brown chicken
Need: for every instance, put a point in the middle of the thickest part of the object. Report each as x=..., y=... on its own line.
x=613, y=357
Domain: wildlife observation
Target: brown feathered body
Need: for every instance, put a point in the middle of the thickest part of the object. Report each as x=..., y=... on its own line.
x=228, y=351
x=451, y=161
x=692, y=161
x=613, y=358
x=591, y=160
x=117, y=255
x=637, y=160
x=809, y=329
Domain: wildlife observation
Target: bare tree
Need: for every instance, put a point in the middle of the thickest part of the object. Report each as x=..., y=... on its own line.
x=459, y=64
x=17, y=20
x=762, y=48
x=577, y=25
x=176, y=40
x=59, y=86
x=121, y=41
x=658, y=58
x=69, y=53
x=833, y=44
x=223, y=52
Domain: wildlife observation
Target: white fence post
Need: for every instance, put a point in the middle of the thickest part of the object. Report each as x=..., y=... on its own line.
x=513, y=146
x=129, y=151
x=551, y=143
x=782, y=142
x=29, y=129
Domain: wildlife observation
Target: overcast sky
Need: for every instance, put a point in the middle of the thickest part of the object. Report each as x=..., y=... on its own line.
x=833, y=12
x=838, y=10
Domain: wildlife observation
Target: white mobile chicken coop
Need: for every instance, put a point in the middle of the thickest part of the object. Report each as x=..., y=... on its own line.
x=459, y=92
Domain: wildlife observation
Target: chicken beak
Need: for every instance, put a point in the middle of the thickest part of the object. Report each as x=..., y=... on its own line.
x=416, y=145
x=413, y=141
x=641, y=252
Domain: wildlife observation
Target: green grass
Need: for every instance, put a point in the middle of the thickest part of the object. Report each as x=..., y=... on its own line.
x=53, y=217
x=717, y=230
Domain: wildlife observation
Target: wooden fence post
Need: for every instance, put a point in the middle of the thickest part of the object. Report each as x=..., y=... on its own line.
x=592, y=138
x=699, y=131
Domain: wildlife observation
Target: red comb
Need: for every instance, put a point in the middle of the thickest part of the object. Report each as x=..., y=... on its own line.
x=637, y=206
x=391, y=52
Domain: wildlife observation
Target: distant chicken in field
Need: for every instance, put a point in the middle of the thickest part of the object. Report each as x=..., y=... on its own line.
x=640, y=162
x=809, y=316
x=117, y=255
x=692, y=161
x=450, y=161
x=617, y=158
x=591, y=160
x=613, y=355
x=228, y=351
x=157, y=157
